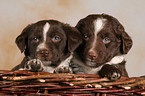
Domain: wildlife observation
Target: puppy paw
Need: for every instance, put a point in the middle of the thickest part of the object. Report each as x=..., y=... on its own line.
x=34, y=65
x=63, y=70
x=110, y=72
x=76, y=68
x=113, y=75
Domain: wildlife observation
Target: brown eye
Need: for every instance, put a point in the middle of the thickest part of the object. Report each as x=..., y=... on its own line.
x=106, y=40
x=56, y=38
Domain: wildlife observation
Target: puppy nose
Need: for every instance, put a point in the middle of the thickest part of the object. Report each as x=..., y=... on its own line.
x=92, y=55
x=44, y=52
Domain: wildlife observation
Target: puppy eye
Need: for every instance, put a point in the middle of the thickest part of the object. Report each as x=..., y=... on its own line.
x=56, y=38
x=86, y=37
x=106, y=40
x=35, y=39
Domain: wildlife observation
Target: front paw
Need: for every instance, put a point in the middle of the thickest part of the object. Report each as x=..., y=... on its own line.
x=34, y=65
x=110, y=72
x=77, y=69
x=63, y=70
x=114, y=75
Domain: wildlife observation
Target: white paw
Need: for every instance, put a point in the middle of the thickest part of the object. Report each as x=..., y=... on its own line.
x=34, y=65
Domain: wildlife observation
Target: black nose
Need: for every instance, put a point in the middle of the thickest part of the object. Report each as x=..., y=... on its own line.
x=44, y=52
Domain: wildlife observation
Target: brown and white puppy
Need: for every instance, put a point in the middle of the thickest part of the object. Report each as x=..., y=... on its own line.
x=48, y=46
x=105, y=44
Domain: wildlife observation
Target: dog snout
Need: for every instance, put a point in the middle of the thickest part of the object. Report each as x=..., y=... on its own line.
x=92, y=55
x=44, y=53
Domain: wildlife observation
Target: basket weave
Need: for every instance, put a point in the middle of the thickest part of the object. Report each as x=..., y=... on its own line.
x=25, y=83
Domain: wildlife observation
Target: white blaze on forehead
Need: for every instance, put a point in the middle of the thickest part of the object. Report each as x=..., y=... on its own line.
x=99, y=23
x=98, y=26
x=45, y=31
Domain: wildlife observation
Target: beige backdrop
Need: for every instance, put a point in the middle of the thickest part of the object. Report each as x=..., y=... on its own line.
x=17, y=14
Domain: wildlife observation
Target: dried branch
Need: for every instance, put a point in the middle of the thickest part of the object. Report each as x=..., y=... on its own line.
x=18, y=78
x=128, y=86
x=130, y=80
x=89, y=81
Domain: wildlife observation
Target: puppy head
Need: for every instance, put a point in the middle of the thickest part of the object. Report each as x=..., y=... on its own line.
x=104, y=38
x=48, y=40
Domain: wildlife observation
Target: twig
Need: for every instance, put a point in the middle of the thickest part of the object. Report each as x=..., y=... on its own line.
x=18, y=72
x=87, y=75
x=61, y=79
x=109, y=91
x=128, y=86
x=89, y=81
x=38, y=85
x=18, y=78
x=130, y=80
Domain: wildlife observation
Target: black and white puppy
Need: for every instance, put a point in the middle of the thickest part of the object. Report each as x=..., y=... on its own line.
x=105, y=44
x=48, y=46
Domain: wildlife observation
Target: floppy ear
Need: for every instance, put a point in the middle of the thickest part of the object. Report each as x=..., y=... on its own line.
x=80, y=24
x=126, y=41
x=21, y=39
x=74, y=37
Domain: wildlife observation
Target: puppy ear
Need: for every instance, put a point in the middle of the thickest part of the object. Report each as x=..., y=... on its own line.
x=21, y=39
x=73, y=36
x=126, y=41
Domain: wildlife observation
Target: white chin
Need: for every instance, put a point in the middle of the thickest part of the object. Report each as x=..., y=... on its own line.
x=47, y=63
x=91, y=63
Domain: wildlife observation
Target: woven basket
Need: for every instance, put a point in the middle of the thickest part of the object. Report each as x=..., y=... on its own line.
x=26, y=83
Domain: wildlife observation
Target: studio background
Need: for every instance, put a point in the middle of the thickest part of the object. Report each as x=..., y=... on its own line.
x=15, y=15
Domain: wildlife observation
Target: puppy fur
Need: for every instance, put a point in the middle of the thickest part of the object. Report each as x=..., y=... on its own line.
x=48, y=46
x=104, y=46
